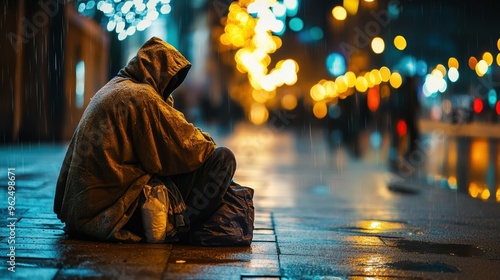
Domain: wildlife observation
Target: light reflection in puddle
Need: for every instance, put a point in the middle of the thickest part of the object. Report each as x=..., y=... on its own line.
x=375, y=226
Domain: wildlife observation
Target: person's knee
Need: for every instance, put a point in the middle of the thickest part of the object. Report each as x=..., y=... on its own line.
x=226, y=156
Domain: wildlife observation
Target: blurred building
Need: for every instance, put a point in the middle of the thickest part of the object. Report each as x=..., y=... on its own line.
x=47, y=53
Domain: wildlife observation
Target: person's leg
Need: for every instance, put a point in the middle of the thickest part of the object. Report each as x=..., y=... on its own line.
x=204, y=188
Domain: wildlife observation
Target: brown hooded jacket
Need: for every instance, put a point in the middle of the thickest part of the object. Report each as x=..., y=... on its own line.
x=128, y=133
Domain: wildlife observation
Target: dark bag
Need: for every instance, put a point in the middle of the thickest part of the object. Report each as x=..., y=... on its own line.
x=232, y=224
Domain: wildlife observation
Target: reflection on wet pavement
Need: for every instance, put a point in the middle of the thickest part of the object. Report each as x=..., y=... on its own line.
x=423, y=266
x=460, y=250
x=468, y=165
x=320, y=214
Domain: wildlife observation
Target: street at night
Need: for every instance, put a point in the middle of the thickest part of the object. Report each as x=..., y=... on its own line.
x=369, y=131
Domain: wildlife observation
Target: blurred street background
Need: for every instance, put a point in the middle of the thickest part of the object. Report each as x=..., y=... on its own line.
x=361, y=102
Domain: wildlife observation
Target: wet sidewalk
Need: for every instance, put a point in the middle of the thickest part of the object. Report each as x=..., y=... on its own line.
x=319, y=215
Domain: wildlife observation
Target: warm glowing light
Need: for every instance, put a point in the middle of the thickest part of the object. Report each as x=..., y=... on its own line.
x=396, y=80
x=373, y=98
x=472, y=62
x=258, y=113
x=498, y=59
x=453, y=74
x=351, y=79
x=361, y=84
x=481, y=68
x=434, y=82
x=453, y=62
x=317, y=92
x=289, y=102
x=342, y=84
x=374, y=226
x=437, y=73
x=478, y=105
x=401, y=127
x=452, y=182
x=249, y=30
x=375, y=74
x=385, y=73
x=330, y=89
x=385, y=91
x=261, y=96
x=488, y=57
x=339, y=13
x=485, y=194
x=400, y=42
x=498, y=189
x=378, y=45
x=498, y=44
x=442, y=69
x=320, y=110
x=474, y=190
x=351, y=6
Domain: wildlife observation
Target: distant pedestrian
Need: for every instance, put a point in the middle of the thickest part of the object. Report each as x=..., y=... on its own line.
x=405, y=110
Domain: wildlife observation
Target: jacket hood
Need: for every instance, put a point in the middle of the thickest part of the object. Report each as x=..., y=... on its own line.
x=159, y=65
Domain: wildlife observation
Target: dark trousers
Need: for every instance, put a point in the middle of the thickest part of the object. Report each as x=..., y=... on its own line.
x=204, y=188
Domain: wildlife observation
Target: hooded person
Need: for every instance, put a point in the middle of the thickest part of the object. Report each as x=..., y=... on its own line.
x=129, y=134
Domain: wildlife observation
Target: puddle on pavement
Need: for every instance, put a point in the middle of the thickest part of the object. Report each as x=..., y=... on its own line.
x=378, y=226
x=460, y=250
x=204, y=261
x=423, y=266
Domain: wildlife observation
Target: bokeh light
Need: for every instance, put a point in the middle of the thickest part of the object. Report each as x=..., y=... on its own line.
x=488, y=57
x=361, y=84
x=453, y=62
x=296, y=24
x=478, y=105
x=442, y=69
x=351, y=6
x=401, y=127
x=320, y=110
x=492, y=97
x=481, y=68
x=335, y=63
x=258, y=113
x=378, y=45
x=289, y=102
x=126, y=17
x=339, y=13
x=317, y=92
x=396, y=80
x=316, y=33
x=453, y=74
x=472, y=63
x=373, y=98
x=385, y=73
x=400, y=42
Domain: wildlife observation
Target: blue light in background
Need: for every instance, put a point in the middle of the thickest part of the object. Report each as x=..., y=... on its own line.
x=335, y=63
x=376, y=139
x=316, y=33
x=421, y=68
x=296, y=24
x=292, y=7
x=492, y=98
